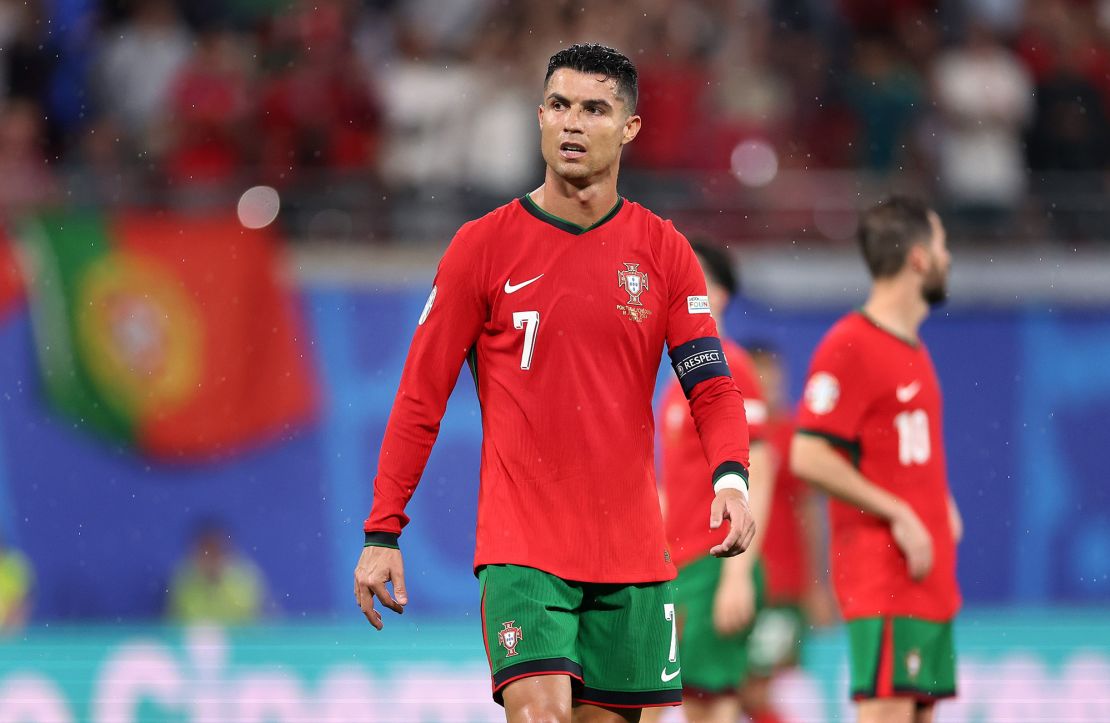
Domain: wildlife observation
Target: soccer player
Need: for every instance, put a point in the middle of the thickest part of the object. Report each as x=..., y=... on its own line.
x=716, y=598
x=793, y=552
x=561, y=301
x=869, y=434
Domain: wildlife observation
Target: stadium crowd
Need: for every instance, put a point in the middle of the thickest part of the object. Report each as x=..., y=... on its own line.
x=359, y=111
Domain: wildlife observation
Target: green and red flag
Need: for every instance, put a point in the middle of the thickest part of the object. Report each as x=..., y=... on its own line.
x=176, y=333
x=11, y=281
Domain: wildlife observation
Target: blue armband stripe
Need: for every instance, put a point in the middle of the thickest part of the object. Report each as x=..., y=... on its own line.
x=698, y=360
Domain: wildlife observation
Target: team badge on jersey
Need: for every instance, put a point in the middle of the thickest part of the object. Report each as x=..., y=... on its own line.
x=509, y=636
x=822, y=393
x=634, y=281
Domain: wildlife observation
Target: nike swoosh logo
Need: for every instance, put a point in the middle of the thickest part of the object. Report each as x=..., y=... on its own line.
x=668, y=677
x=907, y=392
x=510, y=288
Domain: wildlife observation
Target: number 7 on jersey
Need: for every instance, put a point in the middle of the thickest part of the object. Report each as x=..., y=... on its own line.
x=530, y=322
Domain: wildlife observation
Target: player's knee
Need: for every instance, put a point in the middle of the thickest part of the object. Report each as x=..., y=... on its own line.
x=542, y=711
x=886, y=710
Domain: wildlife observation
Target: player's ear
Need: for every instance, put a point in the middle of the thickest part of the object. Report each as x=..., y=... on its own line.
x=539, y=115
x=631, y=128
x=918, y=258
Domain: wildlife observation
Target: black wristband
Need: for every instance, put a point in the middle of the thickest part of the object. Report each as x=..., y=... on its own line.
x=382, y=539
x=730, y=468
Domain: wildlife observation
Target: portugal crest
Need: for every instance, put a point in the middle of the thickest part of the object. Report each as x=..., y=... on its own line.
x=634, y=281
x=509, y=635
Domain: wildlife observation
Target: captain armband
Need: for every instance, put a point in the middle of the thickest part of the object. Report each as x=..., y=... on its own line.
x=698, y=360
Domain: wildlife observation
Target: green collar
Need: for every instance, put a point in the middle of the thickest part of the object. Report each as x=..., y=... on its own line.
x=561, y=223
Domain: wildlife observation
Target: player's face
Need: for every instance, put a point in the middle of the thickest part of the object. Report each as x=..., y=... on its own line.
x=935, y=288
x=583, y=125
x=772, y=379
x=718, y=295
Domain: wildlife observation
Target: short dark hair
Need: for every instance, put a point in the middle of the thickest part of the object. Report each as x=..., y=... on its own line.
x=758, y=348
x=603, y=60
x=889, y=229
x=718, y=264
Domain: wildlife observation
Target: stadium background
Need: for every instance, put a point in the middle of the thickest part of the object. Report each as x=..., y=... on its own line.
x=380, y=127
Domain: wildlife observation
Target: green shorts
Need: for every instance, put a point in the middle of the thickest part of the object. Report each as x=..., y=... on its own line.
x=712, y=664
x=902, y=657
x=777, y=637
x=617, y=642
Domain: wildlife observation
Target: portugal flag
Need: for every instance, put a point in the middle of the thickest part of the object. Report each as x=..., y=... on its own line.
x=173, y=333
x=11, y=283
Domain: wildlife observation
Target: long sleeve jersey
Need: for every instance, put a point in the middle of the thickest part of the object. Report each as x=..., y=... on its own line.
x=563, y=328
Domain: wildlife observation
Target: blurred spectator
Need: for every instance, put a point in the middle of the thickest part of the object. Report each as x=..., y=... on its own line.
x=26, y=180
x=867, y=17
x=215, y=584
x=1069, y=152
x=752, y=98
x=673, y=98
x=985, y=97
x=96, y=174
x=427, y=134
x=885, y=94
x=16, y=582
x=24, y=66
x=503, y=111
x=208, y=109
x=140, y=60
x=317, y=110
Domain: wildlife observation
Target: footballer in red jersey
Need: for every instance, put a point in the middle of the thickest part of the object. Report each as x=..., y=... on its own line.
x=869, y=434
x=793, y=552
x=716, y=599
x=562, y=301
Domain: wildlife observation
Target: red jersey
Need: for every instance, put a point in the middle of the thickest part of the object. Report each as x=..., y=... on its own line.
x=564, y=328
x=876, y=397
x=785, y=554
x=685, y=467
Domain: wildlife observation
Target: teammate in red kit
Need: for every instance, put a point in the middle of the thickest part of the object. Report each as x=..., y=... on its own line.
x=561, y=301
x=869, y=434
x=716, y=599
x=794, y=554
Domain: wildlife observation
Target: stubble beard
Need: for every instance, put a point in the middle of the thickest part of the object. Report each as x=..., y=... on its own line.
x=935, y=290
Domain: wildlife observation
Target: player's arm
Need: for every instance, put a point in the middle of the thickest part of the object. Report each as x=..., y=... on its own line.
x=814, y=459
x=820, y=608
x=715, y=403
x=734, y=605
x=447, y=330
x=955, y=520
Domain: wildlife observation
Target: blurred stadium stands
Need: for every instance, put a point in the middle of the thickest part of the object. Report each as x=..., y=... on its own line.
x=382, y=125
x=765, y=120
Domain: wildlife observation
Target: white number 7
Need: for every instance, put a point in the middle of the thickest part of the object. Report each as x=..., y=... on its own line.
x=668, y=614
x=530, y=322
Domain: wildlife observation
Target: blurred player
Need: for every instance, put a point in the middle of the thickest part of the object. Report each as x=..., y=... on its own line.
x=716, y=599
x=793, y=553
x=869, y=434
x=16, y=583
x=561, y=301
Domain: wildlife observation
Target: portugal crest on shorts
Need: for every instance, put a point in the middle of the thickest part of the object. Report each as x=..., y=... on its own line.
x=634, y=281
x=913, y=662
x=509, y=635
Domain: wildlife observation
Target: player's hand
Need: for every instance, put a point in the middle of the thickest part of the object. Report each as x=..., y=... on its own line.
x=955, y=521
x=914, y=541
x=734, y=603
x=731, y=505
x=377, y=566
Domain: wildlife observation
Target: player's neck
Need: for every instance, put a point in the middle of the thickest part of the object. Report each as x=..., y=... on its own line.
x=898, y=307
x=583, y=206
